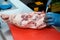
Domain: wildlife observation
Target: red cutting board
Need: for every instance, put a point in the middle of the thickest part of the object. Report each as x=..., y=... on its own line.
x=30, y=34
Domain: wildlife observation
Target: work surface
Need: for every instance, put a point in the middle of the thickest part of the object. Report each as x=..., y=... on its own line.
x=30, y=34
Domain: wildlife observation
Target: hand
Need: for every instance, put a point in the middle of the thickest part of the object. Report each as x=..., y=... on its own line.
x=52, y=19
x=5, y=6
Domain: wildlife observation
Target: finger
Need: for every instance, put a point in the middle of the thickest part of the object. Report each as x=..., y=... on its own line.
x=49, y=21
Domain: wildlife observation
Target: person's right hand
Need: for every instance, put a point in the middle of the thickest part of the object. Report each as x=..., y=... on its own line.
x=53, y=19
